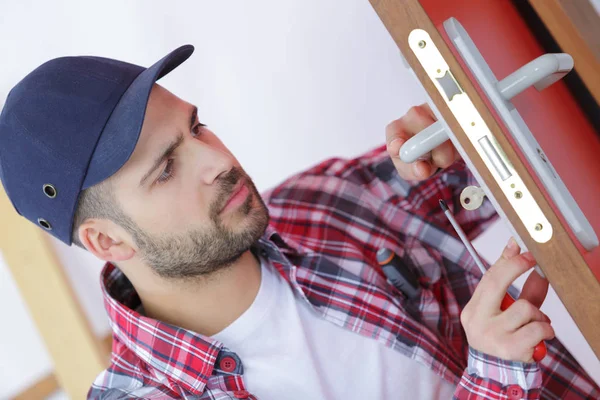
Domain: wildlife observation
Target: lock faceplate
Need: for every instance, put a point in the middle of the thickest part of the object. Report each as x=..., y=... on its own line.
x=482, y=139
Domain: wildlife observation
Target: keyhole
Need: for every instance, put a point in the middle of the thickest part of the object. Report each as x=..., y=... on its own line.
x=541, y=155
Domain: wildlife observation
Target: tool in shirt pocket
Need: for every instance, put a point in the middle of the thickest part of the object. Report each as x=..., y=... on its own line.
x=398, y=273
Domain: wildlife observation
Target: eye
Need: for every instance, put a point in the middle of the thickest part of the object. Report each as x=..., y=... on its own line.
x=197, y=130
x=167, y=172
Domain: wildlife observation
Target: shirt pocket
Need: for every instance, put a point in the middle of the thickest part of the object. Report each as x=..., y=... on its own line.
x=424, y=261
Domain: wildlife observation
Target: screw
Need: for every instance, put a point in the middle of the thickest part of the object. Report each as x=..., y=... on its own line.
x=422, y=43
x=538, y=227
x=518, y=194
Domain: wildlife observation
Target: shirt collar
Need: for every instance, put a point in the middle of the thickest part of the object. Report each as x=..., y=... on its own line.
x=186, y=357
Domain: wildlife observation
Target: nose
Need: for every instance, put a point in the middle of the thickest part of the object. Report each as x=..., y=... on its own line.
x=210, y=162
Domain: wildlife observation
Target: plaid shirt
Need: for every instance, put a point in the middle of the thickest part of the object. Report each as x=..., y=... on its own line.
x=326, y=226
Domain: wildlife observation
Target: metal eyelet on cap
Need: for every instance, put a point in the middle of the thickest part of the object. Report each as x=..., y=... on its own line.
x=50, y=190
x=44, y=224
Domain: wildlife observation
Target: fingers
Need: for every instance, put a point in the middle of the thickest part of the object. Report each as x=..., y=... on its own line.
x=414, y=121
x=399, y=131
x=502, y=274
x=511, y=335
x=535, y=289
x=395, y=136
x=520, y=345
x=527, y=337
x=422, y=169
x=521, y=313
x=418, y=118
x=514, y=333
x=444, y=155
x=512, y=249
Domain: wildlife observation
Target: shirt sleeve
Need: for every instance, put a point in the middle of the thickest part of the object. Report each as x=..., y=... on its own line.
x=493, y=378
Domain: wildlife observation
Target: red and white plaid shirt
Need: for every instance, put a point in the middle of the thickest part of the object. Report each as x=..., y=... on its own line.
x=327, y=224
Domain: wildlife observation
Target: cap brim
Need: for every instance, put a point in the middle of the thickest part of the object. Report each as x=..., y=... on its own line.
x=122, y=131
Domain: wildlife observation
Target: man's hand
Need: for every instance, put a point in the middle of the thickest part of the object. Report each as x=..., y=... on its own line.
x=399, y=131
x=511, y=334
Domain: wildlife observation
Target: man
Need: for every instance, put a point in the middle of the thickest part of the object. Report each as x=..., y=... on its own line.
x=210, y=297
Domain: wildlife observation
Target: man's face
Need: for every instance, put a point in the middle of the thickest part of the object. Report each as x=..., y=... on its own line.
x=189, y=206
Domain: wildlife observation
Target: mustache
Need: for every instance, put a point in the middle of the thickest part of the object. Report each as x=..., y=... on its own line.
x=227, y=183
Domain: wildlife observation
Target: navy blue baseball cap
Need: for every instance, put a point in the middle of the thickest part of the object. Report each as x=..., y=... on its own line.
x=68, y=125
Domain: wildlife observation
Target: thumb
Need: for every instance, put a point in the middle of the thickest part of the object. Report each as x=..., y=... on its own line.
x=512, y=249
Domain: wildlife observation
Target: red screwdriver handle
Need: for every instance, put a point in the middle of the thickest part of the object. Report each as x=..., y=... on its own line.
x=539, y=351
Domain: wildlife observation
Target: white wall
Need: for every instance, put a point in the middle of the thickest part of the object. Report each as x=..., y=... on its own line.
x=284, y=83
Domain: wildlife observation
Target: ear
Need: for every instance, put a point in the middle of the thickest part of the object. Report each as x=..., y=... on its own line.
x=106, y=241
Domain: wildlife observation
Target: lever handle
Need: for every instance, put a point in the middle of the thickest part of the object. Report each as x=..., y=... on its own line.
x=419, y=146
x=539, y=73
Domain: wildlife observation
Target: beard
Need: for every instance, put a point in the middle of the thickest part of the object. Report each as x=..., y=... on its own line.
x=202, y=252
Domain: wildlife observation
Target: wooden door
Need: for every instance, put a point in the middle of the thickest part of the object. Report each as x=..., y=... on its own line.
x=553, y=116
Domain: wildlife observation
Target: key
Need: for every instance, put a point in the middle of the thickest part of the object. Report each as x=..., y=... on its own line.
x=471, y=198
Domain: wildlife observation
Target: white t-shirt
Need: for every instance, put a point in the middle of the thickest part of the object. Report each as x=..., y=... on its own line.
x=289, y=352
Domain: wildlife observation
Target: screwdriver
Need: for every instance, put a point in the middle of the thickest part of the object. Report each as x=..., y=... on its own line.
x=539, y=351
